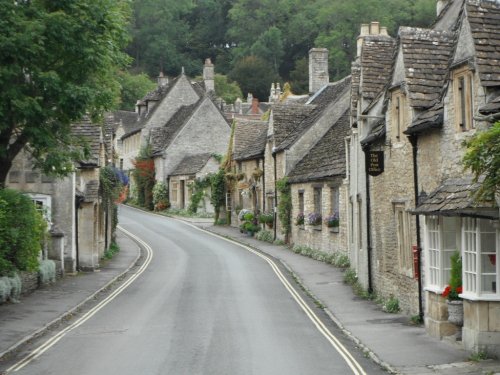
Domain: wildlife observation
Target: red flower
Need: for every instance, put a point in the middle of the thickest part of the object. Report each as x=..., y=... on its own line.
x=446, y=291
x=459, y=290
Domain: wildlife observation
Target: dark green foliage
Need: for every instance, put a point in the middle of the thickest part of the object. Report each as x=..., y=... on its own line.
x=169, y=34
x=254, y=76
x=132, y=88
x=483, y=159
x=112, y=250
x=227, y=90
x=284, y=205
x=22, y=231
x=218, y=191
x=198, y=192
x=455, y=283
x=58, y=61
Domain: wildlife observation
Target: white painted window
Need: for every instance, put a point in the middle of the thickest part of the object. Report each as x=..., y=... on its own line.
x=440, y=243
x=480, y=245
x=43, y=204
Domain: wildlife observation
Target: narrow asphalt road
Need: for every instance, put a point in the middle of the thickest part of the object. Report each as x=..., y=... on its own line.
x=202, y=306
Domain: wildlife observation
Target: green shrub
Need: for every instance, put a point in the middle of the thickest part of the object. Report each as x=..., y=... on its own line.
x=22, y=231
x=265, y=235
x=160, y=196
x=10, y=288
x=112, y=250
x=47, y=271
x=391, y=305
x=350, y=276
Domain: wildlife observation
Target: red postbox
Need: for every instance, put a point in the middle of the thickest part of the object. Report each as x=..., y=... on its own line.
x=415, y=261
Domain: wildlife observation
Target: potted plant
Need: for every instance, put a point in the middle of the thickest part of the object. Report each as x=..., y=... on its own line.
x=453, y=290
x=267, y=218
x=299, y=220
x=332, y=221
x=314, y=218
x=250, y=224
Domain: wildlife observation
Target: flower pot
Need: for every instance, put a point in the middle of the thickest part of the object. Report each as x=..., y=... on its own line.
x=456, y=312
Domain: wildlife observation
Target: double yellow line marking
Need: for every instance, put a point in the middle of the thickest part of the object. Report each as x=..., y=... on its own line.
x=341, y=349
x=53, y=340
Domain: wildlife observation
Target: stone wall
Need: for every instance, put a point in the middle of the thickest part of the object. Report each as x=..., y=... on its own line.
x=321, y=237
x=481, y=331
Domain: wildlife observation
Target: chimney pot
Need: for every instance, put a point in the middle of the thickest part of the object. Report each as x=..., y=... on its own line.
x=374, y=28
x=365, y=29
x=255, y=106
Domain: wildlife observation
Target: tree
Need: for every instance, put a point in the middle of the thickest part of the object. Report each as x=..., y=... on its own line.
x=483, y=159
x=57, y=62
x=269, y=47
x=132, y=88
x=227, y=90
x=254, y=76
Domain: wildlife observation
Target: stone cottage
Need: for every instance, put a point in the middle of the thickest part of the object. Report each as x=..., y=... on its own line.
x=370, y=73
x=249, y=142
x=442, y=89
x=72, y=206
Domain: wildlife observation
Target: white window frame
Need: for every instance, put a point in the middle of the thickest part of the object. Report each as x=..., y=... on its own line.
x=437, y=252
x=472, y=229
x=46, y=201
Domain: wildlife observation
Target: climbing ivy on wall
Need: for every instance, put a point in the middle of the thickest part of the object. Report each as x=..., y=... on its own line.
x=198, y=188
x=284, y=205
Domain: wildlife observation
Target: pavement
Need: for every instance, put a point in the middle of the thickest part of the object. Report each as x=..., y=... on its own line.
x=389, y=339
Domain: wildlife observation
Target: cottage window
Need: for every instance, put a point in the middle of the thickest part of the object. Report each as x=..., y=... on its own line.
x=462, y=92
x=301, y=201
x=440, y=243
x=43, y=204
x=175, y=188
x=317, y=200
x=334, y=200
x=403, y=234
x=398, y=114
x=480, y=245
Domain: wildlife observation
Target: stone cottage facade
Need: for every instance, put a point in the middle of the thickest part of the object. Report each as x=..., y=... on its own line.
x=443, y=88
x=80, y=228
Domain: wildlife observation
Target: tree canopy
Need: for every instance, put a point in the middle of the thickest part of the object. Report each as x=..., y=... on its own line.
x=279, y=32
x=58, y=62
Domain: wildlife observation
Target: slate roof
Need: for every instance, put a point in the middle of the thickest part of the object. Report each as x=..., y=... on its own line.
x=250, y=137
x=431, y=118
x=376, y=62
x=161, y=137
x=327, y=157
x=355, y=82
x=484, y=20
x=426, y=56
x=377, y=132
x=455, y=197
x=91, y=191
x=287, y=119
x=491, y=107
x=295, y=121
x=129, y=120
x=191, y=165
x=90, y=134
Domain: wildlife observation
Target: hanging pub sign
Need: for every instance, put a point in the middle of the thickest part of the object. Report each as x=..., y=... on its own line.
x=375, y=163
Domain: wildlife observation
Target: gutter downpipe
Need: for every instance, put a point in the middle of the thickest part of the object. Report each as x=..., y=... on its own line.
x=275, y=195
x=414, y=144
x=366, y=149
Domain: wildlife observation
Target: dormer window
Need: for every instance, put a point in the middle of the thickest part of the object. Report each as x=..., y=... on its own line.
x=462, y=92
x=398, y=114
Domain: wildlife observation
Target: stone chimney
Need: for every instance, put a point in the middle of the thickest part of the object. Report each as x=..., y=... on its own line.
x=249, y=98
x=440, y=5
x=318, y=69
x=209, y=75
x=255, y=106
x=237, y=106
x=162, y=80
x=373, y=28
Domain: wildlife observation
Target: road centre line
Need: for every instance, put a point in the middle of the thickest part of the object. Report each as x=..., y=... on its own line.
x=53, y=340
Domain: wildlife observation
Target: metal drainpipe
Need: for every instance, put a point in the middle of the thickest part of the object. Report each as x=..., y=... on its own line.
x=414, y=144
x=366, y=149
x=275, y=196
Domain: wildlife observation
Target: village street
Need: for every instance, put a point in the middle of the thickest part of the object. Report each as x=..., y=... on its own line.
x=202, y=306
